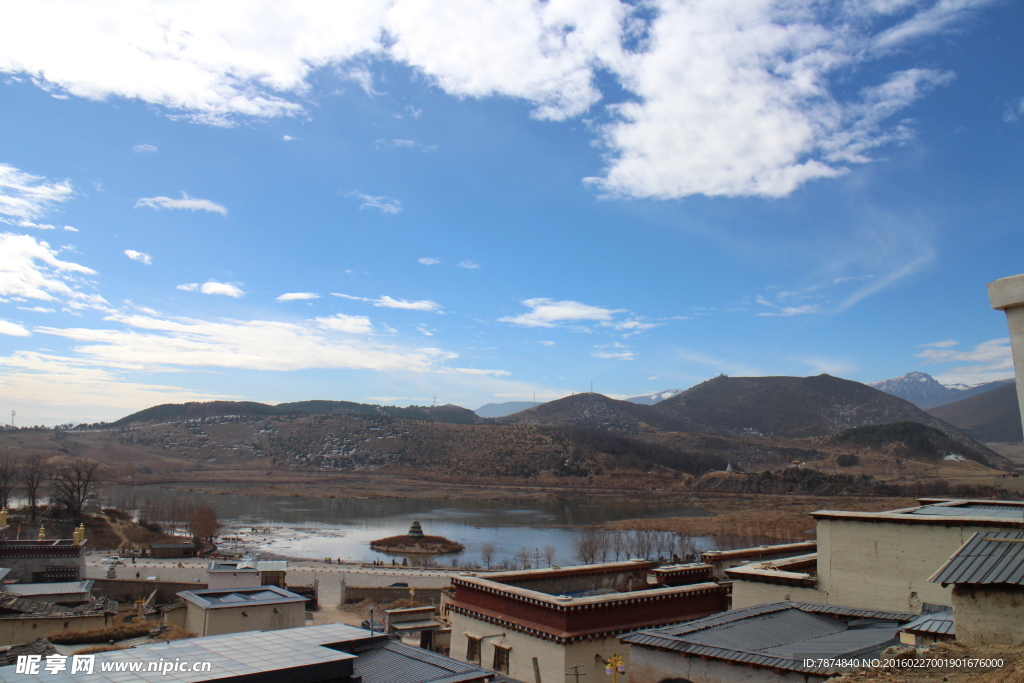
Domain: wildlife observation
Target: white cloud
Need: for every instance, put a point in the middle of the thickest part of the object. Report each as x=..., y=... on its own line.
x=939, y=344
x=382, y=203
x=388, y=302
x=144, y=148
x=350, y=324
x=41, y=226
x=13, y=329
x=138, y=256
x=24, y=196
x=720, y=98
x=787, y=311
x=429, y=261
x=620, y=352
x=986, y=362
x=546, y=343
x=88, y=390
x=288, y=138
x=297, y=296
x=31, y=269
x=551, y=313
x=160, y=344
x=213, y=287
x=186, y=202
x=424, y=330
x=222, y=288
x=37, y=309
x=469, y=265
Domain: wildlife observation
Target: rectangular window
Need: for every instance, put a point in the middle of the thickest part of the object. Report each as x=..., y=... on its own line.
x=501, y=659
x=473, y=650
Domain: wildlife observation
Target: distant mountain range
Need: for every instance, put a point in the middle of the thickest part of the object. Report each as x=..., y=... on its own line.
x=656, y=397
x=789, y=407
x=176, y=412
x=925, y=391
x=752, y=422
x=512, y=407
x=993, y=416
x=503, y=409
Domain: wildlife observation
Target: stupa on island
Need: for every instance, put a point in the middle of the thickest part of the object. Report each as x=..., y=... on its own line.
x=416, y=542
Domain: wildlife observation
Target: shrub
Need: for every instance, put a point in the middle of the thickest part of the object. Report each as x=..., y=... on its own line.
x=847, y=460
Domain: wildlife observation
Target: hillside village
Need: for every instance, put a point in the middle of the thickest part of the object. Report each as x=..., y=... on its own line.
x=925, y=591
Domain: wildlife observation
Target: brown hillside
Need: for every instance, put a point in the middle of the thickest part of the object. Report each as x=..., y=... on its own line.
x=800, y=407
x=600, y=412
x=990, y=417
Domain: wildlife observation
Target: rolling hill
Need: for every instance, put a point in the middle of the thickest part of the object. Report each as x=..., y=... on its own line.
x=993, y=416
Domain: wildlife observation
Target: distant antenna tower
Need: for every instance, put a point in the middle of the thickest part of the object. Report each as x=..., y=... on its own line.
x=12, y=417
x=435, y=401
x=591, y=386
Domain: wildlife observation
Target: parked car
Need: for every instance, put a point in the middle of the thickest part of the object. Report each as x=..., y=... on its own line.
x=112, y=560
x=372, y=625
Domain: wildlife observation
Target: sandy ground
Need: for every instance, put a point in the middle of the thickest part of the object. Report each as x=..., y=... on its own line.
x=300, y=573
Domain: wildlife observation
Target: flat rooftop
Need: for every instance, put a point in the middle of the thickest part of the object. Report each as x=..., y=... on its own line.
x=941, y=511
x=213, y=598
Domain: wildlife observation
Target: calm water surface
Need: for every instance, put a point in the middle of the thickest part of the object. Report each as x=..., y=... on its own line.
x=343, y=527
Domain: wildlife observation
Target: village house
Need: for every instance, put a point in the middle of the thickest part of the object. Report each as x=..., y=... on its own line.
x=211, y=612
x=876, y=560
x=550, y=619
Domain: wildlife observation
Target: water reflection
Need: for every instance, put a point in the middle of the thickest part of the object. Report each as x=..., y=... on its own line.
x=343, y=527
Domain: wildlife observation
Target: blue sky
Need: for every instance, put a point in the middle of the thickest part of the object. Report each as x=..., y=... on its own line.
x=391, y=201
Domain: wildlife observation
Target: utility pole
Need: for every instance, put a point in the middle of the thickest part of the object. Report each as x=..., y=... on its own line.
x=576, y=672
x=12, y=417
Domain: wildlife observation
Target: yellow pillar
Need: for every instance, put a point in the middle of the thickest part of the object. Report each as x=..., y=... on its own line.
x=42, y=533
x=3, y=517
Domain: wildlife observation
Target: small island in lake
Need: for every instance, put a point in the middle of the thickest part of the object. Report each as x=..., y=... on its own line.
x=416, y=542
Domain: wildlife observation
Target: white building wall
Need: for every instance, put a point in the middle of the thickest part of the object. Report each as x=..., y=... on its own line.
x=552, y=658
x=989, y=616
x=749, y=593
x=885, y=566
x=219, y=580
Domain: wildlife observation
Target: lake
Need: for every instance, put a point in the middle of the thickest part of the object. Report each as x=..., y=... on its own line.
x=316, y=528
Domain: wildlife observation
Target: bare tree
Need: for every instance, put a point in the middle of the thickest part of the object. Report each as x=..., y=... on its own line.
x=203, y=523
x=34, y=471
x=549, y=554
x=587, y=545
x=71, y=484
x=8, y=477
x=641, y=542
x=487, y=553
x=620, y=545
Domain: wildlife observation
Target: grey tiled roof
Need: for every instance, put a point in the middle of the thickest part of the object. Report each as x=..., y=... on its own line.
x=780, y=635
x=988, y=557
x=940, y=623
x=395, y=662
x=41, y=647
x=285, y=654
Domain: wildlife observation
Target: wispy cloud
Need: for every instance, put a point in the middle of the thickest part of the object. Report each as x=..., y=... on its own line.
x=786, y=311
x=986, y=362
x=187, y=203
x=289, y=138
x=138, y=256
x=614, y=351
x=551, y=313
x=383, y=204
x=350, y=324
x=214, y=287
x=30, y=269
x=389, y=302
x=429, y=261
x=469, y=265
x=145, y=148
x=13, y=329
x=24, y=197
x=297, y=296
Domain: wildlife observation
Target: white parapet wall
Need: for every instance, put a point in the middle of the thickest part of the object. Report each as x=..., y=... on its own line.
x=1007, y=295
